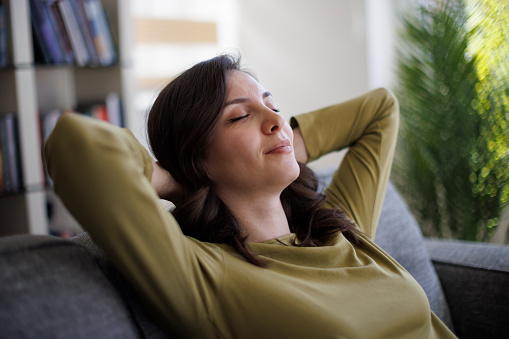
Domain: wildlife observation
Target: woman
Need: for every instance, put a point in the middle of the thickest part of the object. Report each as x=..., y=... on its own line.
x=251, y=250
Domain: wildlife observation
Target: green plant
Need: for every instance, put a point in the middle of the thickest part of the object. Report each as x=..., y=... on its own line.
x=489, y=42
x=453, y=154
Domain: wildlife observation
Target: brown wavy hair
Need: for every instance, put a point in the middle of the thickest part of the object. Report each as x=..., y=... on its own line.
x=181, y=126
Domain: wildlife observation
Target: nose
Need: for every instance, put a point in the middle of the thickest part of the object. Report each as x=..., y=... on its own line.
x=272, y=122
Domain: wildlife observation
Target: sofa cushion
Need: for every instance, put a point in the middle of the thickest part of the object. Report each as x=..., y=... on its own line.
x=54, y=279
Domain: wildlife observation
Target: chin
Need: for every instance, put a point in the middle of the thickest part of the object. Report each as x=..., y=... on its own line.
x=293, y=172
x=283, y=175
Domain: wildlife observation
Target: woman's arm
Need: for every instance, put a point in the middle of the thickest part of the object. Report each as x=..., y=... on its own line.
x=368, y=125
x=299, y=147
x=103, y=174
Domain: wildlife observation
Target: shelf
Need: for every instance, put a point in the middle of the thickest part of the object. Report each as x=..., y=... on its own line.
x=28, y=88
x=23, y=213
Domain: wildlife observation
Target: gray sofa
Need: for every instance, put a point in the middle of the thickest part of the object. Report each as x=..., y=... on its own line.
x=58, y=288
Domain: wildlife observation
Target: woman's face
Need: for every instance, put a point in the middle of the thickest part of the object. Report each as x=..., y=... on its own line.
x=252, y=149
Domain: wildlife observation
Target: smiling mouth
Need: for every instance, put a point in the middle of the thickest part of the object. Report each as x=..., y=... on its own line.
x=284, y=146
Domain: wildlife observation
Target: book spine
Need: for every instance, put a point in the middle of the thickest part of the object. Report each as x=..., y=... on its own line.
x=52, y=8
x=79, y=12
x=17, y=153
x=12, y=147
x=100, y=112
x=56, y=31
x=45, y=32
x=101, y=30
x=43, y=53
x=73, y=30
x=5, y=155
x=114, y=108
x=4, y=55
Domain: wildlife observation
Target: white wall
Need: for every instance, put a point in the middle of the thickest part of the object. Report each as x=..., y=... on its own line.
x=380, y=32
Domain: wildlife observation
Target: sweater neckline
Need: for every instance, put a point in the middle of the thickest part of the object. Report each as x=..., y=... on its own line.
x=286, y=239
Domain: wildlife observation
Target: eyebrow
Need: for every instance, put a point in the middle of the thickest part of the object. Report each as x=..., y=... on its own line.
x=242, y=100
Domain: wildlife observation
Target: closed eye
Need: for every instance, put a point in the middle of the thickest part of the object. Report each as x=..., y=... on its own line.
x=238, y=118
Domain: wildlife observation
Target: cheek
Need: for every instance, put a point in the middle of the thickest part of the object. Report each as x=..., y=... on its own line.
x=288, y=131
x=240, y=151
x=235, y=145
x=230, y=154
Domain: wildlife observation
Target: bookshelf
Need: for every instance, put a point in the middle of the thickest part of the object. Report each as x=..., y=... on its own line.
x=29, y=89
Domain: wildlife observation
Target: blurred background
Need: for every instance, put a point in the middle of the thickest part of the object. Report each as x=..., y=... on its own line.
x=446, y=60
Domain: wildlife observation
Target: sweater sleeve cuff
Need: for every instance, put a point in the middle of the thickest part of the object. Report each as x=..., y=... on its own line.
x=305, y=123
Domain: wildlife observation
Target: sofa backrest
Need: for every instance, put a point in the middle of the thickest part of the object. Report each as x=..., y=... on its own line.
x=147, y=327
x=54, y=288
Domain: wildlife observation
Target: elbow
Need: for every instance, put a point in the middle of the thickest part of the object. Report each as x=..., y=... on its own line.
x=69, y=143
x=389, y=104
x=388, y=99
x=57, y=138
x=65, y=135
x=388, y=109
x=59, y=143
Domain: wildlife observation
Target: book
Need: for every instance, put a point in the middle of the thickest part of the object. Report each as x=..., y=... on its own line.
x=7, y=178
x=55, y=19
x=41, y=51
x=13, y=151
x=11, y=160
x=4, y=54
x=61, y=30
x=45, y=34
x=96, y=110
x=101, y=32
x=68, y=31
x=114, y=108
x=99, y=112
x=76, y=38
x=85, y=29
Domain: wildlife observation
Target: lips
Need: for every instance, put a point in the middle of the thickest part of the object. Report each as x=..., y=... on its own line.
x=283, y=146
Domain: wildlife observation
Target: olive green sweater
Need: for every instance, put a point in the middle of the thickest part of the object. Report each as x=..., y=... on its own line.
x=203, y=290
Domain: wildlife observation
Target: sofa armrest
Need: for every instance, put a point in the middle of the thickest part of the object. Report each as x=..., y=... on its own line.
x=474, y=277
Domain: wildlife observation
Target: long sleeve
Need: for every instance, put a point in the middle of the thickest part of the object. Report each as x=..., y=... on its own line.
x=368, y=126
x=102, y=174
